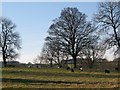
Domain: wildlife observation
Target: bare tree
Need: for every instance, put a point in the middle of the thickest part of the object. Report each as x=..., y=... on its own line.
x=72, y=30
x=9, y=40
x=55, y=48
x=92, y=53
x=108, y=18
x=47, y=54
x=36, y=60
x=52, y=52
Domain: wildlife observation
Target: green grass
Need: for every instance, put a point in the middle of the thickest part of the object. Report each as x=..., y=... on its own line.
x=57, y=78
x=71, y=65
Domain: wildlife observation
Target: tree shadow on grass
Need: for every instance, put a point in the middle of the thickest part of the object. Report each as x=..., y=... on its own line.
x=62, y=74
x=37, y=82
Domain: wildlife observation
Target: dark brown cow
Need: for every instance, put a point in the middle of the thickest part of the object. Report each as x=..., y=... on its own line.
x=72, y=70
x=68, y=68
x=107, y=71
x=117, y=68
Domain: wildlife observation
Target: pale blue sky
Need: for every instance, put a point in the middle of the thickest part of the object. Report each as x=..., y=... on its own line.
x=34, y=19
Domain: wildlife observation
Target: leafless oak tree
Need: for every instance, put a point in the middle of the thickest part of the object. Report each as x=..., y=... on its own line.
x=72, y=30
x=92, y=53
x=9, y=40
x=108, y=18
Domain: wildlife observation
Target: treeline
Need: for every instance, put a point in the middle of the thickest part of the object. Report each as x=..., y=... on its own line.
x=71, y=36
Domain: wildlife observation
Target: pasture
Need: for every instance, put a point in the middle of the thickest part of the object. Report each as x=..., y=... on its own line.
x=57, y=78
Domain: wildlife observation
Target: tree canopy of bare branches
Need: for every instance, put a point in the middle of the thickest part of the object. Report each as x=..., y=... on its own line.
x=108, y=19
x=9, y=40
x=72, y=30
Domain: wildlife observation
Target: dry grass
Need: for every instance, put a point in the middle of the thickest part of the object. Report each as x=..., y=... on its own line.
x=57, y=78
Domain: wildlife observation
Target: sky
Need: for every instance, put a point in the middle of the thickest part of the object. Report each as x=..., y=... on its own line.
x=33, y=20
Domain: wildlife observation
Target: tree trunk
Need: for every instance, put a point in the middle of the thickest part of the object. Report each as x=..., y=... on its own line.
x=116, y=37
x=91, y=65
x=93, y=59
x=66, y=63
x=74, y=58
x=4, y=59
x=51, y=63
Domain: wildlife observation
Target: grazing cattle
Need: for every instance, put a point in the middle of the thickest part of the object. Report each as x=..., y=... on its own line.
x=107, y=71
x=81, y=69
x=72, y=70
x=117, y=69
x=68, y=68
x=59, y=66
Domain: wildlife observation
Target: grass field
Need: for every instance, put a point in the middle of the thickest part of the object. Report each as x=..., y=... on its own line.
x=57, y=78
